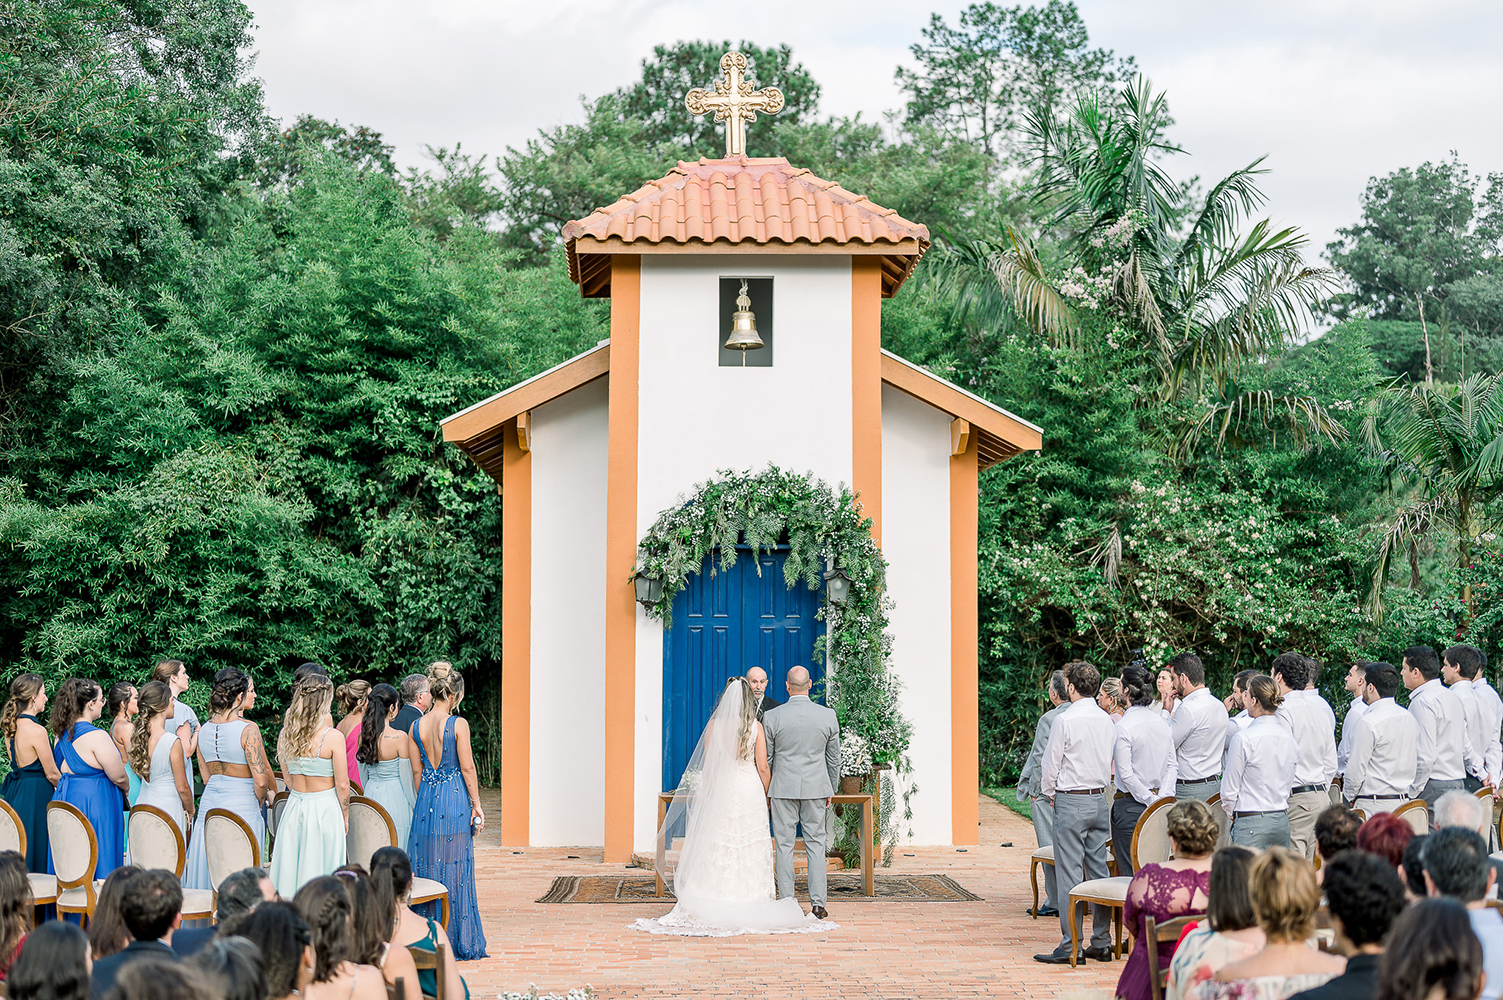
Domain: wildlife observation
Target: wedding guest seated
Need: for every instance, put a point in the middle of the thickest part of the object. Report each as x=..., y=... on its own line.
x=53, y=965
x=17, y=908
x=391, y=871
x=1230, y=931
x=1386, y=835
x=1168, y=889
x=239, y=893
x=107, y=933
x=1335, y=831
x=370, y=930
x=1465, y=810
x=1414, y=868
x=1284, y=897
x=325, y=905
x=231, y=966
x=286, y=944
x=151, y=904
x=160, y=979
x=1365, y=896
x=1432, y=955
x=1456, y=866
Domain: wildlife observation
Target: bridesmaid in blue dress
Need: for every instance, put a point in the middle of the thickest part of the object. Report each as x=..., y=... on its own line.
x=122, y=704
x=448, y=813
x=93, y=776
x=311, y=834
x=386, y=756
x=232, y=762
x=33, y=773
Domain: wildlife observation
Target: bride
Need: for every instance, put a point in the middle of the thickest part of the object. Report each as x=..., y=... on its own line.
x=722, y=871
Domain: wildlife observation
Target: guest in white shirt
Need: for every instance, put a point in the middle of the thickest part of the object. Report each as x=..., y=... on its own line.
x=1385, y=745
x=1460, y=684
x=1312, y=724
x=1356, y=680
x=1442, y=727
x=1143, y=760
x=1472, y=663
x=1199, y=726
x=1259, y=772
x=1076, y=770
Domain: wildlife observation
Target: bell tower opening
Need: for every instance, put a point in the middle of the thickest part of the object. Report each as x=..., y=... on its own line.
x=759, y=291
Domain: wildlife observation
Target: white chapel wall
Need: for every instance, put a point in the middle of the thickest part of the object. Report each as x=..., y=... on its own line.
x=916, y=542
x=567, y=743
x=696, y=417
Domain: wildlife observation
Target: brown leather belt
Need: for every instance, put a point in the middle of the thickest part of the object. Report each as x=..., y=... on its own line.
x=1199, y=781
x=1265, y=812
x=1127, y=795
x=1381, y=797
x=1082, y=791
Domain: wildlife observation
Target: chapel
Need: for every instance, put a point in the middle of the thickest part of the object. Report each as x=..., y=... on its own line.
x=587, y=455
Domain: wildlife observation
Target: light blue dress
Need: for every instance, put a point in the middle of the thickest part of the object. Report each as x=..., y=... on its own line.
x=95, y=795
x=220, y=741
x=160, y=789
x=442, y=846
x=390, y=783
x=311, y=834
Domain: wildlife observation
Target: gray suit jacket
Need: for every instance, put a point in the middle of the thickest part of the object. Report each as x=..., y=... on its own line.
x=803, y=747
x=1030, y=781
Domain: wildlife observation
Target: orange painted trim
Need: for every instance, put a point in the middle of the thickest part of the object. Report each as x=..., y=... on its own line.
x=999, y=434
x=516, y=641
x=620, y=559
x=965, y=722
x=866, y=388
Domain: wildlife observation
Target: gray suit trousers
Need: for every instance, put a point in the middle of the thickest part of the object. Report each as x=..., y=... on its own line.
x=1043, y=829
x=787, y=814
x=1081, y=826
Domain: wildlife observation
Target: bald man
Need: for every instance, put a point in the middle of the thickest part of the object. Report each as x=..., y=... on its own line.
x=803, y=746
x=757, y=678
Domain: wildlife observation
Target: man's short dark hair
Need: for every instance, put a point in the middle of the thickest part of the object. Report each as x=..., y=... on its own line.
x=1294, y=668
x=1365, y=893
x=1336, y=831
x=1383, y=677
x=1057, y=685
x=1188, y=666
x=1239, y=682
x=413, y=686
x=1468, y=659
x=1456, y=861
x=1083, y=677
x=149, y=902
x=1423, y=659
x=1414, y=864
x=1138, y=685
x=240, y=892
x=1315, y=669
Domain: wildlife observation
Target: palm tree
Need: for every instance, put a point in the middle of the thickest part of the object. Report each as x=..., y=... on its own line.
x=1446, y=440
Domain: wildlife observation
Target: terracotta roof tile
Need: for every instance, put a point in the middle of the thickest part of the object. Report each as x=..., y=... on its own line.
x=747, y=201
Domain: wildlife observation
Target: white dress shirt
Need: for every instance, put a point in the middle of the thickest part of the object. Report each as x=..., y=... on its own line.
x=1259, y=768
x=1311, y=722
x=1144, y=755
x=1442, y=735
x=1199, y=735
x=1354, y=713
x=1492, y=753
x=1385, y=747
x=1079, y=754
x=1476, y=728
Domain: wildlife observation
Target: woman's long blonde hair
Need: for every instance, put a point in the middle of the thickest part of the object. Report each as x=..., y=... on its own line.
x=154, y=699
x=311, y=699
x=744, y=748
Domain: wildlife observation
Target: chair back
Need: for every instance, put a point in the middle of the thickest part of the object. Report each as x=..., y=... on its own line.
x=229, y=845
x=155, y=841
x=371, y=829
x=397, y=990
x=1150, y=838
x=274, y=814
x=1417, y=814
x=75, y=846
x=12, y=830
x=438, y=961
x=1154, y=934
x=1222, y=820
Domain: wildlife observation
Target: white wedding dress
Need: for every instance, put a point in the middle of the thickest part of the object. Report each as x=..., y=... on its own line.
x=722, y=874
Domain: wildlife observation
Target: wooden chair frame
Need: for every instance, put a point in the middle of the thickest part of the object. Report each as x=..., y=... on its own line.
x=1411, y=806
x=43, y=886
x=397, y=990
x=239, y=821
x=88, y=879
x=391, y=838
x=1033, y=876
x=15, y=818
x=1154, y=934
x=1118, y=909
x=272, y=821
x=437, y=960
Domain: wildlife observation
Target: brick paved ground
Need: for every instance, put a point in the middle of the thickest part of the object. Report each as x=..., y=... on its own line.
x=882, y=949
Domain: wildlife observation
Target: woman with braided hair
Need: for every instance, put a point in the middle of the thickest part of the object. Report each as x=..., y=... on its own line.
x=311, y=835
x=93, y=775
x=158, y=755
x=232, y=762
x=33, y=773
x=325, y=904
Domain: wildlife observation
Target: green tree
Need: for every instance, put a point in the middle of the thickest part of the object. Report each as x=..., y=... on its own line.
x=280, y=158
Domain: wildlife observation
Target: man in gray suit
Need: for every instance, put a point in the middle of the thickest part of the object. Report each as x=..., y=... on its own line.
x=803, y=747
x=1028, y=786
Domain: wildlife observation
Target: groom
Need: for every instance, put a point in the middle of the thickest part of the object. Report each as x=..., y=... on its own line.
x=803, y=746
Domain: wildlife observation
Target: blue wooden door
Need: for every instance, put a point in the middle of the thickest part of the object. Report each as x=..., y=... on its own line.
x=724, y=624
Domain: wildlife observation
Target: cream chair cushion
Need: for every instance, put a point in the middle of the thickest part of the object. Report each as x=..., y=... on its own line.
x=1107, y=891
x=426, y=890
x=1152, y=835
x=154, y=842
x=69, y=836
x=43, y=887
x=1045, y=854
x=227, y=847
x=10, y=832
x=197, y=903
x=370, y=830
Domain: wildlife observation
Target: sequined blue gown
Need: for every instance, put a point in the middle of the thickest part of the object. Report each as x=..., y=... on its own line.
x=441, y=846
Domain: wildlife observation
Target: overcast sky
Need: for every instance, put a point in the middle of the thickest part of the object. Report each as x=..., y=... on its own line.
x=1335, y=91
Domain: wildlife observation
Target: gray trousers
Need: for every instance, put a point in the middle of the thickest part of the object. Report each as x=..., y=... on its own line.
x=1043, y=829
x=1261, y=832
x=1125, y=813
x=1434, y=789
x=1081, y=826
x=1304, y=809
x=787, y=815
x=1201, y=791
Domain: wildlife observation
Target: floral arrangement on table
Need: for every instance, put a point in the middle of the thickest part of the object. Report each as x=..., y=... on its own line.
x=820, y=527
x=855, y=755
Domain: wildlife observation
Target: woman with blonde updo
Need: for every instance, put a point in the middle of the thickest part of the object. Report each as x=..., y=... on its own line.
x=33, y=773
x=1165, y=890
x=311, y=835
x=158, y=755
x=448, y=812
x=1259, y=772
x=352, y=698
x=1112, y=699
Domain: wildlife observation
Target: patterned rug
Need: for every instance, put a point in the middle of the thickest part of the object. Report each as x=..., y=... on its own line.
x=843, y=886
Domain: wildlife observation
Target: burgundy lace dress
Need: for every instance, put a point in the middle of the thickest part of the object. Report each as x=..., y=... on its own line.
x=1163, y=893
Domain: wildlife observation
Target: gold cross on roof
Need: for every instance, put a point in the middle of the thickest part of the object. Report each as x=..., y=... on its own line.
x=734, y=102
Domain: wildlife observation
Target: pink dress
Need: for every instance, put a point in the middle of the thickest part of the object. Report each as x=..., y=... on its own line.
x=1163, y=893
x=351, y=744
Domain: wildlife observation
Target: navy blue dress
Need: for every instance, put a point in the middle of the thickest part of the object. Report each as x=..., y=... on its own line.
x=442, y=847
x=28, y=791
x=96, y=796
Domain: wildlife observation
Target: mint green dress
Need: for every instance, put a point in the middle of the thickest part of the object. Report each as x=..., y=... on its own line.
x=311, y=836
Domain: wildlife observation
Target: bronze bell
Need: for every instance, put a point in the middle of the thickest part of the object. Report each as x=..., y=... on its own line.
x=743, y=326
